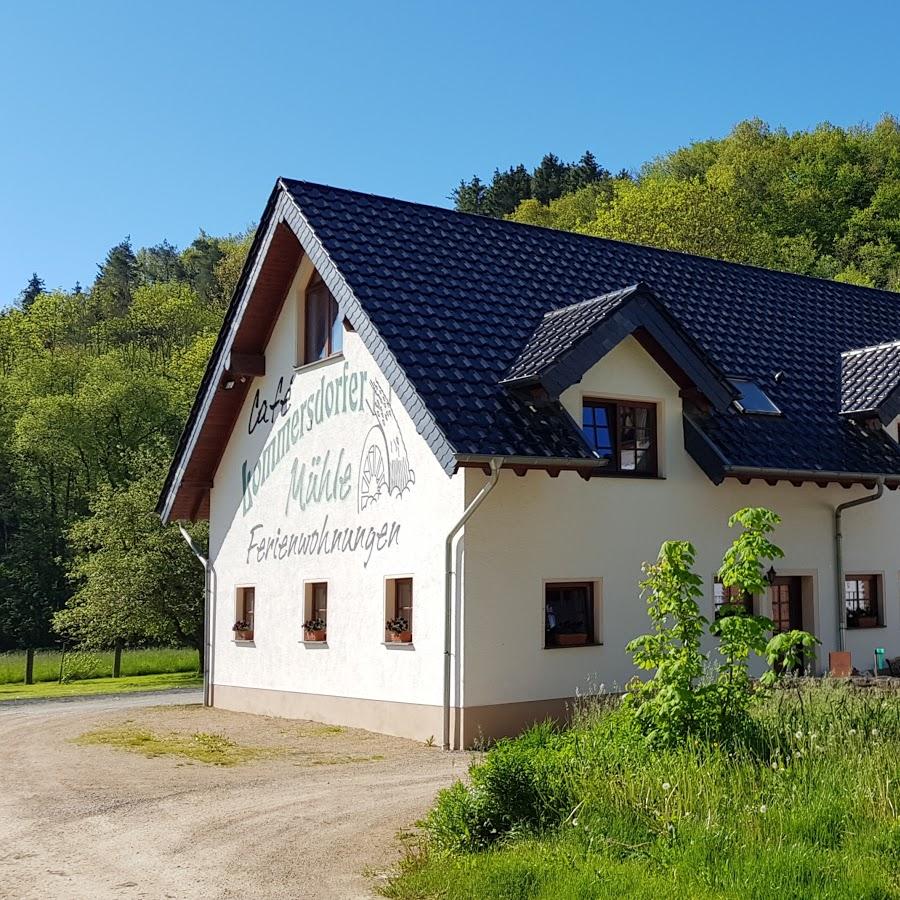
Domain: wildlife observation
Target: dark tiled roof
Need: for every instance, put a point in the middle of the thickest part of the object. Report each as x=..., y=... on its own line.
x=869, y=377
x=457, y=297
x=560, y=329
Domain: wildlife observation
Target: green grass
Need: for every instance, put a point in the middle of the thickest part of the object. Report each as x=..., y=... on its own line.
x=47, y=690
x=213, y=749
x=590, y=813
x=153, y=661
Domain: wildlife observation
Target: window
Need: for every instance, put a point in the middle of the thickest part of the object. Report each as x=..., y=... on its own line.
x=319, y=608
x=323, y=328
x=862, y=601
x=245, y=601
x=753, y=398
x=399, y=610
x=315, y=610
x=569, y=614
x=730, y=600
x=623, y=433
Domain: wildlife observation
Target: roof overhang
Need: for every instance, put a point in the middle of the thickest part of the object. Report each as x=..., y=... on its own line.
x=717, y=468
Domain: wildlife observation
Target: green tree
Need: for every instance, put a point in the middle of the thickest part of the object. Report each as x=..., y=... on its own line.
x=31, y=291
x=160, y=263
x=117, y=276
x=136, y=580
x=200, y=261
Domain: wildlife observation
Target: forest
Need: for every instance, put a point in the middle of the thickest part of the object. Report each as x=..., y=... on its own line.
x=96, y=381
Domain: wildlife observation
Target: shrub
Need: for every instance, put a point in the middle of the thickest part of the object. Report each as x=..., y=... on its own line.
x=676, y=702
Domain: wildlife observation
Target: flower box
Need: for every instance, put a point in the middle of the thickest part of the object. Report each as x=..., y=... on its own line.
x=400, y=637
x=241, y=634
x=314, y=635
x=570, y=640
x=866, y=622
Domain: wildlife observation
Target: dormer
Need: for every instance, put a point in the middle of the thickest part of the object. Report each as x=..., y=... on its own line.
x=870, y=386
x=569, y=340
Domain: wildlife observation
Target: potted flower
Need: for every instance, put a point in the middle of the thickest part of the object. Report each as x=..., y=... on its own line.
x=243, y=631
x=314, y=630
x=398, y=631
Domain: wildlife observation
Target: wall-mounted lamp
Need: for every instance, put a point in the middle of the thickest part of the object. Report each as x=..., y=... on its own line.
x=770, y=575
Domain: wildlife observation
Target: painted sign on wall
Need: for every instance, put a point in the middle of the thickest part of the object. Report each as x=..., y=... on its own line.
x=327, y=475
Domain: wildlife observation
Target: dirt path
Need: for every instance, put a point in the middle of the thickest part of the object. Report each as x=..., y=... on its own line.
x=94, y=822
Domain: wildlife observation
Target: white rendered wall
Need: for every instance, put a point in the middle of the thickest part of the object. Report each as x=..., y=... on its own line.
x=537, y=528
x=404, y=530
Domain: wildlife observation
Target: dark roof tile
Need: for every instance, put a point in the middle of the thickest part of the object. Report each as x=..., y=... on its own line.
x=485, y=286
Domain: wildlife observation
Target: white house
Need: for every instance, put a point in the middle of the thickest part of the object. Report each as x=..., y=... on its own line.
x=483, y=429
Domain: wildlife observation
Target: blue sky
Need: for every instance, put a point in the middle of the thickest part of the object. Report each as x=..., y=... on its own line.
x=157, y=119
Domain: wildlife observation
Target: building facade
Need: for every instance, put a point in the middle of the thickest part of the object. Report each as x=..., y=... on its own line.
x=430, y=495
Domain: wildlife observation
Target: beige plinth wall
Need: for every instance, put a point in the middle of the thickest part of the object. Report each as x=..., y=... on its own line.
x=478, y=724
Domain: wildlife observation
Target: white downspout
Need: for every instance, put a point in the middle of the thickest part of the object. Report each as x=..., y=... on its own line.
x=207, y=642
x=839, y=556
x=496, y=463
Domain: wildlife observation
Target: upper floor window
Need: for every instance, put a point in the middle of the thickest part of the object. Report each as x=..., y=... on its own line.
x=323, y=328
x=862, y=600
x=624, y=432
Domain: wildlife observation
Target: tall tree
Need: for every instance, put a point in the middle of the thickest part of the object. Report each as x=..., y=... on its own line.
x=200, y=261
x=31, y=291
x=117, y=276
x=136, y=579
x=160, y=263
x=469, y=196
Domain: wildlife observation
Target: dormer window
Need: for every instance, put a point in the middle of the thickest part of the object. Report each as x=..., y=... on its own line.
x=624, y=433
x=323, y=329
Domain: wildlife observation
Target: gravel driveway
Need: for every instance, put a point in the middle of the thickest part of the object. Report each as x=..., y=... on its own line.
x=319, y=818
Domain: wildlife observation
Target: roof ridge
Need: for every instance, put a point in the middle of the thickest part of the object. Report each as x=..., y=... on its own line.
x=892, y=296
x=871, y=347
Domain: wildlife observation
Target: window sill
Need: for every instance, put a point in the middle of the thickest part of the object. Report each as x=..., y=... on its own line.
x=319, y=363
x=312, y=645
x=244, y=642
x=398, y=645
x=865, y=627
x=573, y=646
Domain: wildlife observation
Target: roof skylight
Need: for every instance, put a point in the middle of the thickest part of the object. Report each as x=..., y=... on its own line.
x=753, y=399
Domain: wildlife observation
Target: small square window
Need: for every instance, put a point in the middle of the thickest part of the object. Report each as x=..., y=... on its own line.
x=315, y=611
x=569, y=614
x=244, y=613
x=398, y=605
x=862, y=599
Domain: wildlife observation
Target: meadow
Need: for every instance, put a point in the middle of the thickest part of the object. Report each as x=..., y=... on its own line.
x=807, y=808
x=82, y=665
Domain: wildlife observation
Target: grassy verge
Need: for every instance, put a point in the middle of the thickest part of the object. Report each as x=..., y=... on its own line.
x=150, y=661
x=214, y=749
x=589, y=812
x=48, y=690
